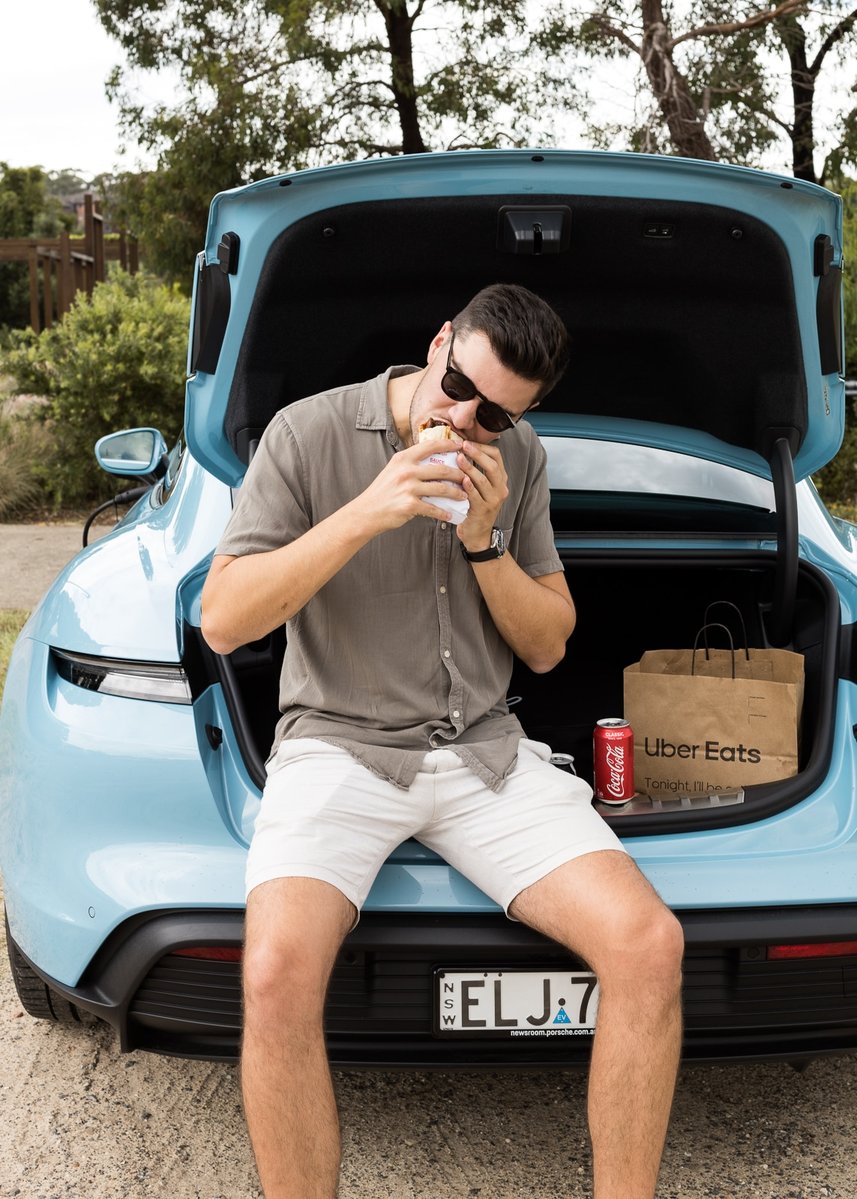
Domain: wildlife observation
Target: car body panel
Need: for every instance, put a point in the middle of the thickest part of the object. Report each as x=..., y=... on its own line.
x=145, y=557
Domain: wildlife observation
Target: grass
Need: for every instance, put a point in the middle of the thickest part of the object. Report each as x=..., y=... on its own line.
x=25, y=447
x=11, y=622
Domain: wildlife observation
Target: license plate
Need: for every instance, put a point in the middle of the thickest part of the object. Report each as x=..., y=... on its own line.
x=515, y=1003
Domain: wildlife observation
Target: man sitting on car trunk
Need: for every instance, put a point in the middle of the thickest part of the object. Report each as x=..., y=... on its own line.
x=394, y=724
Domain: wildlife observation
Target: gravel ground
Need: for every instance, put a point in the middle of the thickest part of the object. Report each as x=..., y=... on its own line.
x=33, y=556
x=79, y=1120
x=82, y=1121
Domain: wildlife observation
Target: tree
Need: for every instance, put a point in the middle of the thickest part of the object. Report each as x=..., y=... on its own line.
x=805, y=68
x=272, y=85
x=713, y=73
x=848, y=189
x=838, y=480
x=26, y=210
x=66, y=182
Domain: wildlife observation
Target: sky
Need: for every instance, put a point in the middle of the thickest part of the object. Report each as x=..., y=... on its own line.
x=53, y=108
x=54, y=112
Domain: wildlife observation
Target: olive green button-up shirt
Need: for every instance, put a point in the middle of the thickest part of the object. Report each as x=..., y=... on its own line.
x=397, y=654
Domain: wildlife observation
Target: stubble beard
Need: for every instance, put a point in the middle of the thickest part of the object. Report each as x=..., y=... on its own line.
x=412, y=423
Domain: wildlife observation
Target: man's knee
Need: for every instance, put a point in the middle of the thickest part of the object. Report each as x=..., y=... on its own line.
x=646, y=954
x=665, y=946
x=283, y=976
x=293, y=932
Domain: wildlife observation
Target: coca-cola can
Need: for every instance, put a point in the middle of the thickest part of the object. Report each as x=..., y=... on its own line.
x=613, y=756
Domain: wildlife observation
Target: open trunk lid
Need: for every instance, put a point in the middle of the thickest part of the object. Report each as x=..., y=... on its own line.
x=703, y=300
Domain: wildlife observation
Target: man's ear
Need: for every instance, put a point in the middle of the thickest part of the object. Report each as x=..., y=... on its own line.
x=439, y=339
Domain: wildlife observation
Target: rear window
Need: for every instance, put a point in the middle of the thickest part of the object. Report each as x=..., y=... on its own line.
x=615, y=485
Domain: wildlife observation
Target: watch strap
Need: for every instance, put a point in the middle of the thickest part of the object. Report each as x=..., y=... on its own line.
x=496, y=549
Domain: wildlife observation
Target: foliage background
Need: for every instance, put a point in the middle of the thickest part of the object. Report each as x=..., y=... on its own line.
x=116, y=360
x=27, y=209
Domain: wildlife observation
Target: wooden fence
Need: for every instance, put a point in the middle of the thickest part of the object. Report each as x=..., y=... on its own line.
x=64, y=265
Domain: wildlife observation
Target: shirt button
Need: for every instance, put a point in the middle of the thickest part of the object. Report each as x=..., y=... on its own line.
x=443, y=591
x=446, y=653
x=443, y=524
x=456, y=715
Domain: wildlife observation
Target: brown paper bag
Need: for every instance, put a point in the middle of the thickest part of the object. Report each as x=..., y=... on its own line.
x=713, y=719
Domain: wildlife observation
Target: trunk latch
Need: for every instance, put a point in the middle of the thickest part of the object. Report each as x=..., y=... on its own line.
x=534, y=231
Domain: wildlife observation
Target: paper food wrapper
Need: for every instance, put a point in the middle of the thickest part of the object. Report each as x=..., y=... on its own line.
x=457, y=509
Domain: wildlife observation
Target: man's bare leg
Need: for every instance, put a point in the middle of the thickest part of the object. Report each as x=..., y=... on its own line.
x=601, y=907
x=294, y=930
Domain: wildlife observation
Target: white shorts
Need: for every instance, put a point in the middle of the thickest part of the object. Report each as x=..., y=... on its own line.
x=324, y=815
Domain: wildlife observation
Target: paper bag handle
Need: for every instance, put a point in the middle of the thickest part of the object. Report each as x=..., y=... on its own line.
x=738, y=613
x=704, y=629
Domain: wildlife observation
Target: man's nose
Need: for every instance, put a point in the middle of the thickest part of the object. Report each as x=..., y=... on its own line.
x=462, y=413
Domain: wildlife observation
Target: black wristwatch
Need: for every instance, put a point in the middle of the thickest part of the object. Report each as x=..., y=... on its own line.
x=496, y=549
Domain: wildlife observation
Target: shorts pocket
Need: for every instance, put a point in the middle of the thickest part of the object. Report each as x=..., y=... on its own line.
x=291, y=749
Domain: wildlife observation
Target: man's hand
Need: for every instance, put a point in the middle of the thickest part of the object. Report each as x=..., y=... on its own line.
x=395, y=495
x=486, y=486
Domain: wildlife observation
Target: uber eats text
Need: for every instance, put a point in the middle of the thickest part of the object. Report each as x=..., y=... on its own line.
x=708, y=751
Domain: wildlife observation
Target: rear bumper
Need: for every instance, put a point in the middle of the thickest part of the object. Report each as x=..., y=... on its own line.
x=738, y=1004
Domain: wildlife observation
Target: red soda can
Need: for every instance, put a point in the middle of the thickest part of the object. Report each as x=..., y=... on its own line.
x=613, y=756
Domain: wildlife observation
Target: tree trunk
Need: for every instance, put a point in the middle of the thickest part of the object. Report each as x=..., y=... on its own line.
x=803, y=94
x=687, y=131
x=398, y=22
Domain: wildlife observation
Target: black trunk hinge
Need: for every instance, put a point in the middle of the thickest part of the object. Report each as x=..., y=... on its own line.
x=781, y=625
x=828, y=305
x=211, y=304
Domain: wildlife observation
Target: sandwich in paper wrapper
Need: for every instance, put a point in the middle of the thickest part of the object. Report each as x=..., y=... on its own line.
x=435, y=431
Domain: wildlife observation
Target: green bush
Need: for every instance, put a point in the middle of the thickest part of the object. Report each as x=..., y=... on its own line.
x=116, y=360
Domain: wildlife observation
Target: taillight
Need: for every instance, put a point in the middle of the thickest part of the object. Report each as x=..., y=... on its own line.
x=163, y=682
x=821, y=949
x=212, y=953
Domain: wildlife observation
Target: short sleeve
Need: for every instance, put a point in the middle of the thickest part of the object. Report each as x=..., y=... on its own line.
x=533, y=546
x=272, y=508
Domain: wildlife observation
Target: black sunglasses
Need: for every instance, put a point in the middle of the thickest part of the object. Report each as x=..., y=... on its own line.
x=457, y=386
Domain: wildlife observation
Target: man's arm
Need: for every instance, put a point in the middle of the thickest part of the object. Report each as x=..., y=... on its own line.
x=535, y=617
x=246, y=597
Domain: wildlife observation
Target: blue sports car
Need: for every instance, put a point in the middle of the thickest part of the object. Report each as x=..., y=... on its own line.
x=705, y=310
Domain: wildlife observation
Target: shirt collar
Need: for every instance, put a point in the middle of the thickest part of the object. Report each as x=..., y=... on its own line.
x=373, y=411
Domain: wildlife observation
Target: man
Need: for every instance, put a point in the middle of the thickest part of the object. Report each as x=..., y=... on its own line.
x=394, y=723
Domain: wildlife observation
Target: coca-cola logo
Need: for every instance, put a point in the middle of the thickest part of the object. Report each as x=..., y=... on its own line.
x=614, y=760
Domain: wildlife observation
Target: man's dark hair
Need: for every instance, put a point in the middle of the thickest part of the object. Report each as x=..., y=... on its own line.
x=525, y=333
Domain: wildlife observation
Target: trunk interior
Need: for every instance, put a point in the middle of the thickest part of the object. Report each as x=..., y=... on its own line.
x=627, y=602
